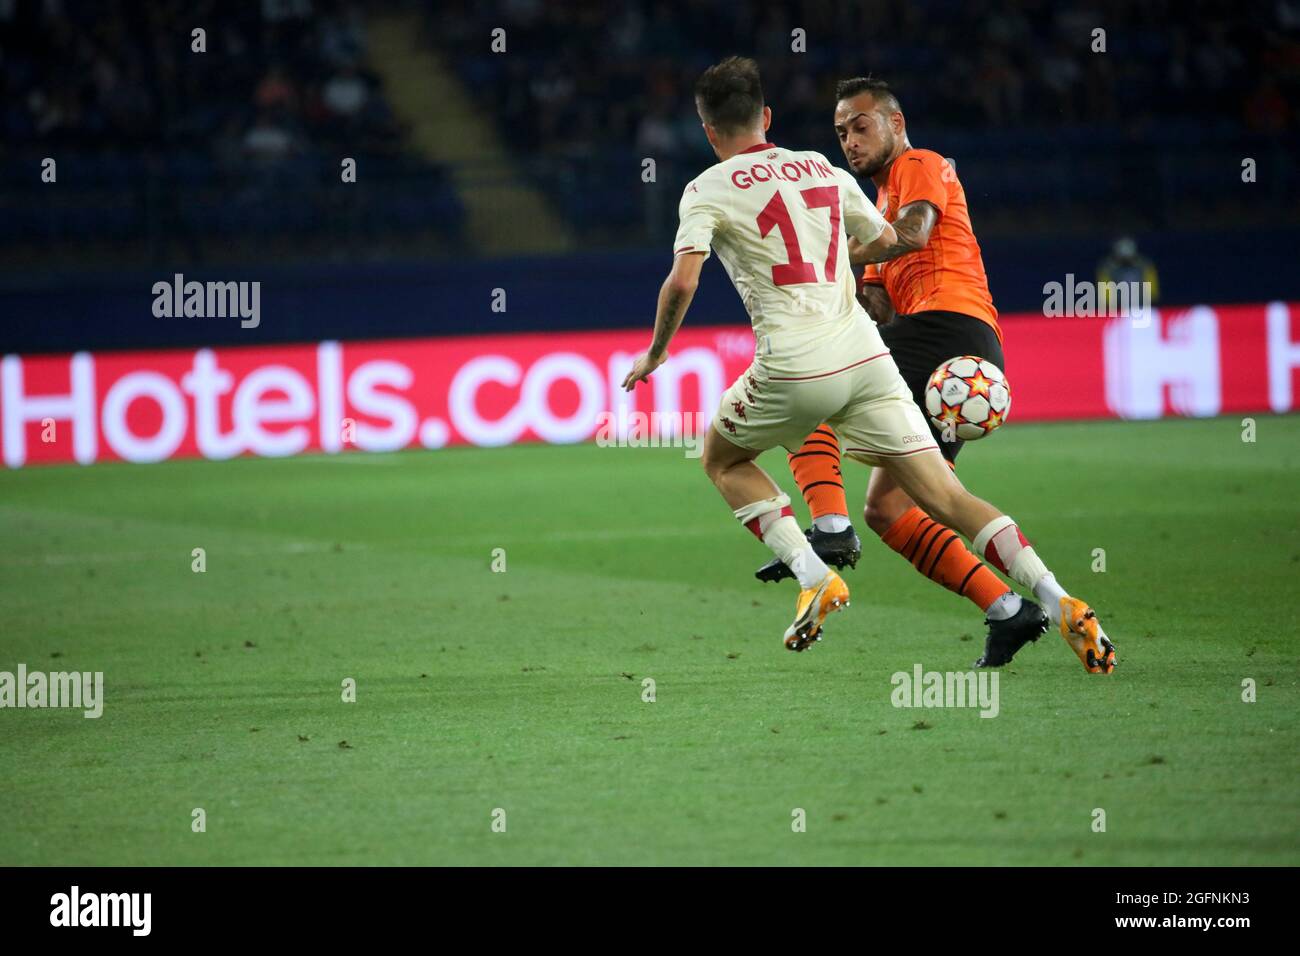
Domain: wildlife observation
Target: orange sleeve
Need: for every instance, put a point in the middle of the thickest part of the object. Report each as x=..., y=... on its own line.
x=920, y=178
x=871, y=274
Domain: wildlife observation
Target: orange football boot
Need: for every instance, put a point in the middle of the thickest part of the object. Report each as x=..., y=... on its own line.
x=1082, y=631
x=811, y=610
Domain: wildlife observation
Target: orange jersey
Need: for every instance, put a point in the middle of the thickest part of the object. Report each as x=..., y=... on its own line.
x=948, y=274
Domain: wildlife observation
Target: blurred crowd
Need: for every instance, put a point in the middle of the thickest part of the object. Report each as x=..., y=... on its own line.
x=1043, y=114
x=1019, y=92
x=983, y=66
x=189, y=141
x=114, y=73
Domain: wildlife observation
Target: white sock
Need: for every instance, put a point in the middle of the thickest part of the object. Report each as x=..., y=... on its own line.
x=1004, y=607
x=1002, y=545
x=832, y=523
x=758, y=515
x=1050, y=593
x=788, y=543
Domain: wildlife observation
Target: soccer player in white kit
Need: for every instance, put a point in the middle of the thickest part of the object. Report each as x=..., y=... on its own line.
x=779, y=220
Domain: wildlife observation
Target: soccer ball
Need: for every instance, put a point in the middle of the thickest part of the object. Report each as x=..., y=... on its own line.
x=967, y=396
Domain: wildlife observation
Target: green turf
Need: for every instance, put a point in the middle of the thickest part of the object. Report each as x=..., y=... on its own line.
x=522, y=690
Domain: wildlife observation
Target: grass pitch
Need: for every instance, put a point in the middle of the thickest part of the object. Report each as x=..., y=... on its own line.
x=522, y=690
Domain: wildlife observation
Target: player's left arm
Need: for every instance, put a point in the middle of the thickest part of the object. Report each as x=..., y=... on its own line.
x=913, y=226
x=674, y=299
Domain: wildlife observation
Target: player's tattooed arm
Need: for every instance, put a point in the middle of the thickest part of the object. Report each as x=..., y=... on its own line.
x=674, y=299
x=877, y=302
x=912, y=228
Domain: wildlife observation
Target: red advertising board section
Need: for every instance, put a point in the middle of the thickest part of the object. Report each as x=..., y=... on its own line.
x=497, y=390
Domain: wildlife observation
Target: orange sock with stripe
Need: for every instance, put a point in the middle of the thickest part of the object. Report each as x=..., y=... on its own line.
x=816, y=467
x=940, y=555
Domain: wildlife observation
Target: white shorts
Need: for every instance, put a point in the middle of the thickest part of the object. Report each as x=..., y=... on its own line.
x=866, y=402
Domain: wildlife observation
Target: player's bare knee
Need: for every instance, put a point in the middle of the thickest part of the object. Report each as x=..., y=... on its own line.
x=878, y=516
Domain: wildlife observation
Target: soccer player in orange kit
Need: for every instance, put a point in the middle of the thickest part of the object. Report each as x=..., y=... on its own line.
x=930, y=295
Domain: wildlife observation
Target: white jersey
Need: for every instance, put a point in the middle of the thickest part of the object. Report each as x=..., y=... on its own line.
x=778, y=221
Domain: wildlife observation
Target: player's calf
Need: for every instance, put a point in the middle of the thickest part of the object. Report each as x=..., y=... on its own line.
x=936, y=552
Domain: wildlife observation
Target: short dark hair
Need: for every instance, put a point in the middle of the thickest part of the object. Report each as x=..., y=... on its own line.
x=879, y=89
x=730, y=95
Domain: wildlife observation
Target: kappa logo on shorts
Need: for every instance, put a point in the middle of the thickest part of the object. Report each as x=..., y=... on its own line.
x=728, y=424
x=913, y=439
x=739, y=408
x=748, y=397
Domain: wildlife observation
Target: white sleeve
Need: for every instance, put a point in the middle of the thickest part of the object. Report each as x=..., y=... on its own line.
x=862, y=220
x=698, y=220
